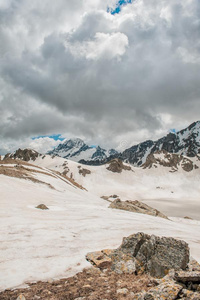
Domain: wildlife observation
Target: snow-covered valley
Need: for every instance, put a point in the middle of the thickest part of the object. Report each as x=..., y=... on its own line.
x=39, y=245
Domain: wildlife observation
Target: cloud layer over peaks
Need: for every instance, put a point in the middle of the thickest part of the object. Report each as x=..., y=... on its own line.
x=75, y=69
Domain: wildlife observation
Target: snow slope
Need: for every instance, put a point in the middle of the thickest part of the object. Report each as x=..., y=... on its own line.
x=39, y=245
x=174, y=193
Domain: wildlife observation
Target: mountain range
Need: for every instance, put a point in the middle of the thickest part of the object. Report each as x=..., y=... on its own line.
x=77, y=150
x=184, y=142
x=89, y=208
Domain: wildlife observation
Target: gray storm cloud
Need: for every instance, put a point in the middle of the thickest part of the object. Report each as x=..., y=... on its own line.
x=77, y=70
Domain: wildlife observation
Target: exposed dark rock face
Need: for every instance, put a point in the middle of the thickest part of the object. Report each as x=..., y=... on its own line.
x=136, y=154
x=170, y=160
x=23, y=154
x=116, y=166
x=185, y=142
x=78, y=150
x=136, y=206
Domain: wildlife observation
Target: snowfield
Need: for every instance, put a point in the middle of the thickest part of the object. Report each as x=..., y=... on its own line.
x=39, y=245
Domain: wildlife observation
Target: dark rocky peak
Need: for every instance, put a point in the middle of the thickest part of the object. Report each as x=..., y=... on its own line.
x=23, y=154
x=99, y=153
x=185, y=142
x=72, y=143
x=112, y=152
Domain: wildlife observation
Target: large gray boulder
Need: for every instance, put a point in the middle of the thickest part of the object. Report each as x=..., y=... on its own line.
x=156, y=255
x=141, y=253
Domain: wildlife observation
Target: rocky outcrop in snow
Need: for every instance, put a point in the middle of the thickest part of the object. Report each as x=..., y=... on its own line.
x=136, y=206
x=116, y=166
x=23, y=154
x=170, y=160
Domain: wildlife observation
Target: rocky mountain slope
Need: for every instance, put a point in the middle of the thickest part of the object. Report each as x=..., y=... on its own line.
x=170, y=160
x=185, y=142
x=77, y=150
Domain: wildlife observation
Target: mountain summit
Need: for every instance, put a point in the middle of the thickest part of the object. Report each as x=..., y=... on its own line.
x=184, y=142
x=77, y=150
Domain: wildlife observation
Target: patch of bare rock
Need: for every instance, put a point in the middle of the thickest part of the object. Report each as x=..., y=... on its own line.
x=170, y=160
x=116, y=166
x=83, y=171
x=143, y=267
x=23, y=154
x=136, y=206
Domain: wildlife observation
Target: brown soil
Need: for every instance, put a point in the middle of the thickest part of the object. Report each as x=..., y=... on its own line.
x=90, y=284
x=22, y=173
x=19, y=171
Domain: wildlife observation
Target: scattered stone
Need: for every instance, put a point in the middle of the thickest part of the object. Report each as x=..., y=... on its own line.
x=123, y=291
x=138, y=296
x=136, y=206
x=189, y=295
x=42, y=206
x=21, y=297
x=99, y=259
x=193, y=265
x=165, y=291
x=187, y=276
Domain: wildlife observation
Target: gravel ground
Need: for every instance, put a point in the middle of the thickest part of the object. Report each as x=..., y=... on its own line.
x=90, y=284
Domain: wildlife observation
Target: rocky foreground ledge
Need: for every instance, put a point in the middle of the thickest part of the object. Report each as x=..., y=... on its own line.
x=144, y=267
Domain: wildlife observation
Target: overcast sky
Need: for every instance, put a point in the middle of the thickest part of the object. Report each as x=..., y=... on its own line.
x=74, y=68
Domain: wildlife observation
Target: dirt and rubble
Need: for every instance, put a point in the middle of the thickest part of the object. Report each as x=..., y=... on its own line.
x=90, y=284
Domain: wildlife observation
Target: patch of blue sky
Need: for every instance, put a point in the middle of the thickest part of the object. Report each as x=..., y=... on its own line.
x=173, y=130
x=118, y=7
x=56, y=137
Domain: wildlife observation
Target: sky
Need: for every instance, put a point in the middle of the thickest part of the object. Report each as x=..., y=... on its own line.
x=109, y=72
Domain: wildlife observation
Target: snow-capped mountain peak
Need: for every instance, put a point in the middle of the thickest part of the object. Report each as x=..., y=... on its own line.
x=77, y=150
x=184, y=142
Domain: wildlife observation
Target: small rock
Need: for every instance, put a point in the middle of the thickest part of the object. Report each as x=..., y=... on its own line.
x=185, y=276
x=123, y=291
x=138, y=296
x=99, y=259
x=42, y=206
x=21, y=297
x=193, y=265
x=165, y=291
x=50, y=281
